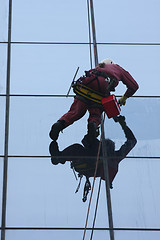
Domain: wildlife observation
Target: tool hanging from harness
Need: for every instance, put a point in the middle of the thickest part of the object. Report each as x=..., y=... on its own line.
x=84, y=169
x=84, y=91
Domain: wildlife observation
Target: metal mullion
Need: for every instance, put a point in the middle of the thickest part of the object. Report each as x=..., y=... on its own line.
x=5, y=166
x=105, y=164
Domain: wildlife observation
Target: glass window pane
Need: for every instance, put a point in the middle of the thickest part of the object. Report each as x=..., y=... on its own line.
x=3, y=68
x=43, y=195
x=54, y=234
x=33, y=118
x=143, y=117
x=135, y=186
x=64, y=21
x=137, y=61
x=127, y=21
x=2, y=124
x=46, y=69
x=147, y=235
x=4, y=20
x=1, y=184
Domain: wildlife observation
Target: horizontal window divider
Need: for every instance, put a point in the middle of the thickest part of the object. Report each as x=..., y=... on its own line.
x=82, y=43
x=80, y=228
x=74, y=157
x=63, y=95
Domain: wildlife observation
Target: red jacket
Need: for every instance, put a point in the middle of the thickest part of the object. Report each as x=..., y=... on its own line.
x=114, y=71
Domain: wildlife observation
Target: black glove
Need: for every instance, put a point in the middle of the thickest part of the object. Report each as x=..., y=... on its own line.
x=121, y=120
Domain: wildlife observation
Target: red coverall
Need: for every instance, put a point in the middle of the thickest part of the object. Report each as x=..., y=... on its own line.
x=79, y=107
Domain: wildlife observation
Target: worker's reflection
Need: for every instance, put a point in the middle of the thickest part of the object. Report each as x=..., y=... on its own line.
x=83, y=157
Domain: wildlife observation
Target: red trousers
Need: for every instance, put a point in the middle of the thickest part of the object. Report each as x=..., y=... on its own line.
x=78, y=110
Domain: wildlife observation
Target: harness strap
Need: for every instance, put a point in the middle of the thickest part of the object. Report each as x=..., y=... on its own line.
x=88, y=74
x=111, y=81
x=99, y=73
x=88, y=93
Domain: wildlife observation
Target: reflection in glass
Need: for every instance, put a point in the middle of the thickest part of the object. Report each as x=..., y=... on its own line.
x=143, y=118
x=83, y=157
x=41, y=195
x=34, y=117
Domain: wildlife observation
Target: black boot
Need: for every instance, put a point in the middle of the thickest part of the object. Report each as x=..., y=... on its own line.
x=55, y=153
x=56, y=128
x=92, y=132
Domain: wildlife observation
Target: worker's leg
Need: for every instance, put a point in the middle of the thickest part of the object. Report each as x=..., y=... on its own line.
x=76, y=111
x=95, y=115
x=55, y=153
x=71, y=153
x=94, y=121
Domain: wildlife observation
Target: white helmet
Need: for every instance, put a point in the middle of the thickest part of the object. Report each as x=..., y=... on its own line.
x=107, y=61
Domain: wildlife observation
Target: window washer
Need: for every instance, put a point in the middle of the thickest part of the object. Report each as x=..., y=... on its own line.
x=90, y=89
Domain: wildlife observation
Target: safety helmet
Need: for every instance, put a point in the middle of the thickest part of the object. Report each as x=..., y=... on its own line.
x=107, y=61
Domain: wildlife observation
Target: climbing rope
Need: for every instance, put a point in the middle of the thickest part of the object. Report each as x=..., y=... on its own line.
x=95, y=213
x=98, y=154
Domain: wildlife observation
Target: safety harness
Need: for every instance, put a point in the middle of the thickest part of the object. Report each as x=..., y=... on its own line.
x=87, y=93
x=84, y=168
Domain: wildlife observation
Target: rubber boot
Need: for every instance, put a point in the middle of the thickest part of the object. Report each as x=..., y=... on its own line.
x=56, y=128
x=55, y=153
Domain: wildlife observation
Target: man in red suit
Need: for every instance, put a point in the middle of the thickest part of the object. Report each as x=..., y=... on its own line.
x=96, y=84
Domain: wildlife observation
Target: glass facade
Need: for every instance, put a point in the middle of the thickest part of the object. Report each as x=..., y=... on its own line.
x=49, y=40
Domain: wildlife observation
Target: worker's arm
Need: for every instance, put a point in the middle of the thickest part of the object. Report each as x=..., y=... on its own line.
x=131, y=84
x=131, y=140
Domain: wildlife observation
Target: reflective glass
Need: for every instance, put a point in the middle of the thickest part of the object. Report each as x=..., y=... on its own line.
x=2, y=124
x=137, y=60
x=43, y=195
x=3, y=68
x=46, y=69
x=34, y=117
x=147, y=235
x=135, y=189
x=1, y=184
x=54, y=234
x=143, y=117
x=4, y=20
x=64, y=21
x=31, y=120
x=126, y=21
x=135, y=186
